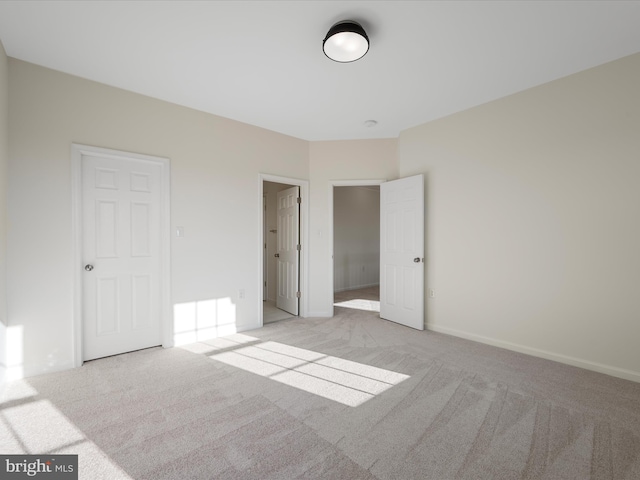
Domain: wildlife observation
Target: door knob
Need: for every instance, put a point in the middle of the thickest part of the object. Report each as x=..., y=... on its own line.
x=88, y=268
x=277, y=255
x=417, y=259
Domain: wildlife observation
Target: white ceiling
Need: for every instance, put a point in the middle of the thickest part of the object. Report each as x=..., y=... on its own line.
x=261, y=62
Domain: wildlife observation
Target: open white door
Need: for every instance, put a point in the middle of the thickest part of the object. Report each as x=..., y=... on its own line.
x=402, y=251
x=288, y=249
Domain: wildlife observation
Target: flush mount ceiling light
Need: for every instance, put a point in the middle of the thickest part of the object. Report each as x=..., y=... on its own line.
x=346, y=42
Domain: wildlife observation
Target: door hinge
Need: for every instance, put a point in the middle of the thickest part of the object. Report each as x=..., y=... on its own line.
x=298, y=294
x=299, y=200
x=265, y=283
x=299, y=247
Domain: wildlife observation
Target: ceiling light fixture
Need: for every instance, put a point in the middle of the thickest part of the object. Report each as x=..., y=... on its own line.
x=346, y=42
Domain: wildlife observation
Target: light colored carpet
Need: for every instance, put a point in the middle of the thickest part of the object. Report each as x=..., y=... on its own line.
x=271, y=313
x=360, y=299
x=388, y=402
x=368, y=293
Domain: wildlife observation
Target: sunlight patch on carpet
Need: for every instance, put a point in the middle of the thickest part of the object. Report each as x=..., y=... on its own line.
x=34, y=426
x=344, y=381
x=360, y=304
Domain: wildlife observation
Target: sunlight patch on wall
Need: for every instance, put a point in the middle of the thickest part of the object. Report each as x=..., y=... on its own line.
x=344, y=381
x=202, y=320
x=15, y=352
x=360, y=304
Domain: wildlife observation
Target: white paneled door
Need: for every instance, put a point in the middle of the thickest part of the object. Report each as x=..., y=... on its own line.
x=288, y=249
x=402, y=251
x=121, y=251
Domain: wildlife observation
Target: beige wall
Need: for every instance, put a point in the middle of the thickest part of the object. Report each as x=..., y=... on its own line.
x=4, y=160
x=533, y=219
x=215, y=196
x=338, y=160
x=532, y=209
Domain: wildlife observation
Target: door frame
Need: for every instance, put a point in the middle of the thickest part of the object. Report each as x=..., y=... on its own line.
x=303, y=306
x=341, y=183
x=166, y=316
x=265, y=266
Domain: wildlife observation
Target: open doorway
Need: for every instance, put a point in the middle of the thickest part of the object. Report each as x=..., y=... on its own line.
x=281, y=260
x=356, y=247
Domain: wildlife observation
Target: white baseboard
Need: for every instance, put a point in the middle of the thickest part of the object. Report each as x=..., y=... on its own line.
x=32, y=371
x=246, y=328
x=358, y=287
x=576, y=362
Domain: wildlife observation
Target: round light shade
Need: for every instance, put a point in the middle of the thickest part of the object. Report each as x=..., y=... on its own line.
x=346, y=42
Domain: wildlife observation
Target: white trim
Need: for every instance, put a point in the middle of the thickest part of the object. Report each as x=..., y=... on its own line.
x=76, y=257
x=304, y=239
x=166, y=323
x=358, y=287
x=573, y=361
x=265, y=264
x=340, y=183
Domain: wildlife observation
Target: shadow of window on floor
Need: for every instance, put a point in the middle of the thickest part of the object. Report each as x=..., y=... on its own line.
x=30, y=425
x=344, y=381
